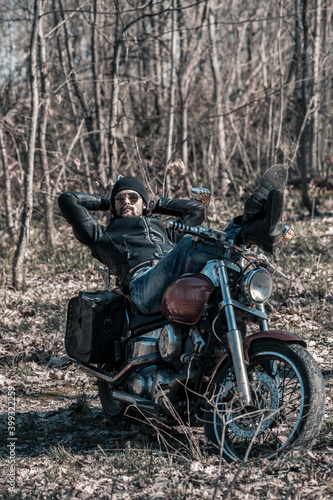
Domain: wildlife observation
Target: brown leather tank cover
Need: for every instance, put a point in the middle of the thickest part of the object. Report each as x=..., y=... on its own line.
x=184, y=300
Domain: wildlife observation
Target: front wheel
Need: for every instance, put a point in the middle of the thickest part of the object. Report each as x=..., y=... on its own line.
x=288, y=402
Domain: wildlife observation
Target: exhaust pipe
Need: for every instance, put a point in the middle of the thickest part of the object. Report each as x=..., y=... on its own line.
x=131, y=367
x=130, y=399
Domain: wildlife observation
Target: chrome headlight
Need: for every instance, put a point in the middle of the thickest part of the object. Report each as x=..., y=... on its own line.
x=257, y=286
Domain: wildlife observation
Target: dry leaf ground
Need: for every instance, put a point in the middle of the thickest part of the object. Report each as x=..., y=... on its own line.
x=65, y=448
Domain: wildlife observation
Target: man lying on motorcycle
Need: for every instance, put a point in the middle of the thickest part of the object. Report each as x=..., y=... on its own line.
x=144, y=255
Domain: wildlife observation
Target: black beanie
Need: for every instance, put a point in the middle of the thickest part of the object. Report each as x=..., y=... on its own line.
x=132, y=183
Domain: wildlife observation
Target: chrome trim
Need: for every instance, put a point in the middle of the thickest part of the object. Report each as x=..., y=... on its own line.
x=130, y=399
x=264, y=323
x=234, y=337
x=107, y=377
x=246, y=284
x=261, y=313
x=210, y=271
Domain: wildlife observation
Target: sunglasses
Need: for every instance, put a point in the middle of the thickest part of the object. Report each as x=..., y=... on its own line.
x=132, y=198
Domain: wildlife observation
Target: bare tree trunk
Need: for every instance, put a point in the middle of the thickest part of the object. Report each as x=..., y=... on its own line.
x=184, y=79
x=157, y=68
x=8, y=193
x=113, y=124
x=169, y=147
x=190, y=58
x=97, y=90
x=87, y=112
x=45, y=87
x=314, y=158
x=267, y=88
x=19, y=256
x=281, y=79
x=302, y=157
x=77, y=123
x=218, y=92
x=302, y=99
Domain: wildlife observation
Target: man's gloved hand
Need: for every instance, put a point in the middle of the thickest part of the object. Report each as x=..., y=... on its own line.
x=105, y=204
x=263, y=231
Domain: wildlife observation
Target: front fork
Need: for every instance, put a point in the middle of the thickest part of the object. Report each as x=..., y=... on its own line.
x=234, y=336
x=264, y=328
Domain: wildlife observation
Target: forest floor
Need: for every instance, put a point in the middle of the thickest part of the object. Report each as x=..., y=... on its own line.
x=65, y=448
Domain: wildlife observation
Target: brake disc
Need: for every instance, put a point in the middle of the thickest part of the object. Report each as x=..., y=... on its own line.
x=247, y=421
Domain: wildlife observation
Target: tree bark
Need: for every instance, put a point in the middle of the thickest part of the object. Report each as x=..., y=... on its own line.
x=8, y=191
x=189, y=59
x=169, y=146
x=96, y=64
x=157, y=68
x=113, y=123
x=18, y=278
x=301, y=47
x=218, y=93
x=45, y=90
x=74, y=112
x=86, y=109
x=314, y=157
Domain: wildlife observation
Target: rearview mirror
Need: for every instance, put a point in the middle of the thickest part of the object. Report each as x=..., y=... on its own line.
x=201, y=196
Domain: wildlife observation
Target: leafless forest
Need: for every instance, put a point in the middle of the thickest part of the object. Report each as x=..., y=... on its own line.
x=180, y=93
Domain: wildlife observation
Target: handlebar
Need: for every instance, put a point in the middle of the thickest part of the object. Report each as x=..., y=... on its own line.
x=213, y=235
x=206, y=233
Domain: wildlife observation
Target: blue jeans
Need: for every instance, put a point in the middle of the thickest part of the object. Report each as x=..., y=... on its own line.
x=148, y=284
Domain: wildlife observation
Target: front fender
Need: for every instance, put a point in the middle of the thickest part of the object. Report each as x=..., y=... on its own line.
x=269, y=335
x=257, y=337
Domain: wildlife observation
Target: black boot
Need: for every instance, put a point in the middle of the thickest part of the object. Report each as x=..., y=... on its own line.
x=263, y=231
x=274, y=178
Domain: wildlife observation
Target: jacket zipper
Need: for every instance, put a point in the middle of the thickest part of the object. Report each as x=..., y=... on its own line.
x=127, y=249
x=148, y=237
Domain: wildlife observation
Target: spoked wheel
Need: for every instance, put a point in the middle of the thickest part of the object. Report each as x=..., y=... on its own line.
x=113, y=409
x=288, y=400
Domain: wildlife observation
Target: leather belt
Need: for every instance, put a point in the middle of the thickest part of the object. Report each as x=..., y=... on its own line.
x=133, y=270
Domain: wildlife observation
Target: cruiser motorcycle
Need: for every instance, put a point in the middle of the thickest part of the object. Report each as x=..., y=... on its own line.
x=257, y=393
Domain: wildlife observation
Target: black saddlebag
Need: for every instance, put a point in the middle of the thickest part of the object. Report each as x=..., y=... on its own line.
x=94, y=323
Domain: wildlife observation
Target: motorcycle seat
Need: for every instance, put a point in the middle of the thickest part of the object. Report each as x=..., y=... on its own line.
x=138, y=320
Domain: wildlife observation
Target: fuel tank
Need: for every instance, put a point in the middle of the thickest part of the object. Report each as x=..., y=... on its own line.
x=184, y=300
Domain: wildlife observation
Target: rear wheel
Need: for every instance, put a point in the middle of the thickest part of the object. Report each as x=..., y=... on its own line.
x=288, y=401
x=113, y=409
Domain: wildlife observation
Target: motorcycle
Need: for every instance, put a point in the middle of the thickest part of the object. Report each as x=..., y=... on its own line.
x=257, y=395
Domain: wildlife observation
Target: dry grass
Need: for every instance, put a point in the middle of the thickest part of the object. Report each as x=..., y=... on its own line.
x=66, y=449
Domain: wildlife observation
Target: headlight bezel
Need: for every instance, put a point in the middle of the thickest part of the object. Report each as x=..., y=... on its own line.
x=257, y=286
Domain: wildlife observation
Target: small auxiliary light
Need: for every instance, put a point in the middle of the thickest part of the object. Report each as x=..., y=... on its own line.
x=287, y=233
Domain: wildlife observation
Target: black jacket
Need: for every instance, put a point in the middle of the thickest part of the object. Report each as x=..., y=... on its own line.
x=127, y=242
